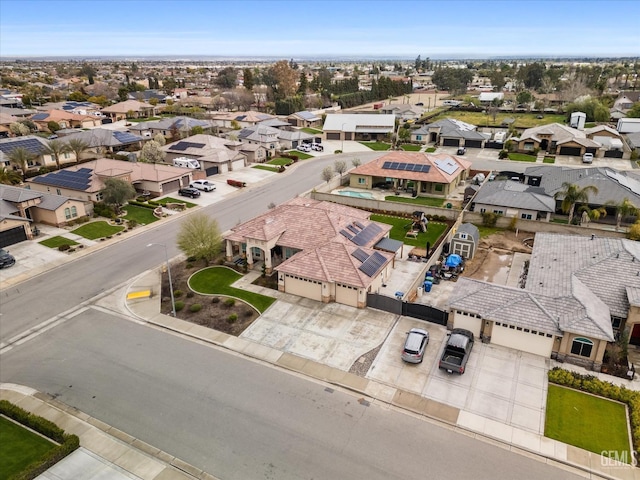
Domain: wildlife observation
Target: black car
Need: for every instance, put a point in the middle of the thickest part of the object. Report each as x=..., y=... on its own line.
x=6, y=259
x=189, y=192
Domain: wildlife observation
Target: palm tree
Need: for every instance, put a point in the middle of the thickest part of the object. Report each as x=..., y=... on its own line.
x=78, y=147
x=21, y=157
x=8, y=176
x=572, y=194
x=625, y=209
x=55, y=149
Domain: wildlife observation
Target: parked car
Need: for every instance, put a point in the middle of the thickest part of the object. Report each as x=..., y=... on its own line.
x=461, y=151
x=415, y=345
x=587, y=158
x=304, y=147
x=204, y=185
x=189, y=192
x=456, y=351
x=6, y=259
x=317, y=147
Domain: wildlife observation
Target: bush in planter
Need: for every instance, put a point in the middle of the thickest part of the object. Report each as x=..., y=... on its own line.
x=229, y=302
x=503, y=154
x=64, y=247
x=177, y=293
x=232, y=318
x=215, y=300
x=190, y=294
x=179, y=305
x=196, y=307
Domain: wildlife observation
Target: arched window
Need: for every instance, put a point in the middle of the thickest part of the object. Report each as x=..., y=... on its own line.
x=582, y=347
x=74, y=212
x=67, y=213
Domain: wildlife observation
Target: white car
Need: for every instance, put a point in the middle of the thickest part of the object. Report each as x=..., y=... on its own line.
x=204, y=185
x=587, y=158
x=304, y=147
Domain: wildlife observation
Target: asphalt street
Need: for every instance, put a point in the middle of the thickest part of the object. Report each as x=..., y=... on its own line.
x=240, y=419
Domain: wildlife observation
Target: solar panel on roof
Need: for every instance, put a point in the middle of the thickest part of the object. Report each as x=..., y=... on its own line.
x=30, y=144
x=394, y=165
x=372, y=264
x=360, y=255
x=40, y=116
x=346, y=234
x=366, y=235
x=358, y=224
x=386, y=165
x=182, y=146
x=125, y=137
x=353, y=229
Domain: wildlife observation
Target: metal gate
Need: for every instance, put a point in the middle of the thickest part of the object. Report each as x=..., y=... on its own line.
x=613, y=154
x=414, y=310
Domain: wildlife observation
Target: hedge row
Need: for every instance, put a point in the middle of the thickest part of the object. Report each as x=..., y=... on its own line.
x=68, y=443
x=149, y=205
x=595, y=386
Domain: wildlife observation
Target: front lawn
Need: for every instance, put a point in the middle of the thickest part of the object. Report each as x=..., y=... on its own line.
x=549, y=160
x=300, y=155
x=280, y=161
x=165, y=200
x=586, y=421
x=19, y=447
x=218, y=280
x=57, y=241
x=312, y=131
x=377, y=146
x=144, y=216
x=427, y=201
x=522, y=157
x=266, y=167
x=400, y=226
x=430, y=149
x=95, y=230
x=411, y=148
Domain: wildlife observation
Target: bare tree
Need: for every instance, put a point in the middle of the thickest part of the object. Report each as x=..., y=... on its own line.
x=340, y=166
x=327, y=173
x=356, y=162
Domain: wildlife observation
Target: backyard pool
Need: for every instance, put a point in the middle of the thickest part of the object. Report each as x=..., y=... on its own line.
x=349, y=193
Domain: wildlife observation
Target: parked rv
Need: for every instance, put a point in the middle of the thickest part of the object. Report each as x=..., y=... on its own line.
x=185, y=162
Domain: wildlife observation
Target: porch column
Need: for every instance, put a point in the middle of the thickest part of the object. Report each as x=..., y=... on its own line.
x=268, y=262
x=249, y=257
x=229, y=250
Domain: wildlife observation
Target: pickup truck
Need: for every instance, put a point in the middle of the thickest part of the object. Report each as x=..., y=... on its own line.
x=456, y=351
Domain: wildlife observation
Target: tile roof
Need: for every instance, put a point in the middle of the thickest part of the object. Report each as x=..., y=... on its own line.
x=352, y=122
x=124, y=107
x=510, y=194
x=205, y=147
x=182, y=123
x=559, y=133
x=101, y=137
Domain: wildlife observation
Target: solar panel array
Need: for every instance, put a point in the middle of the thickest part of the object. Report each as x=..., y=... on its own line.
x=40, y=116
x=182, y=146
x=448, y=166
x=406, y=167
x=74, y=180
x=346, y=234
x=30, y=144
x=372, y=265
x=126, y=137
x=366, y=235
x=354, y=229
x=360, y=254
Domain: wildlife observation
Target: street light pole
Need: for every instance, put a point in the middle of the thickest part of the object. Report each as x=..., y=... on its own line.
x=343, y=135
x=166, y=256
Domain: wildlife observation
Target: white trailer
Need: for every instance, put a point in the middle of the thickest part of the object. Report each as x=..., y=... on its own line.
x=185, y=162
x=628, y=125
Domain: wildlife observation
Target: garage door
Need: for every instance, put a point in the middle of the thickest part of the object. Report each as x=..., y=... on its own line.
x=467, y=322
x=12, y=236
x=473, y=143
x=171, y=186
x=211, y=170
x=237, y=164
x=303, y=287
x=451, y=142
x=346, y=295
x=536, y=343
x=575, y=151
x=333, y=136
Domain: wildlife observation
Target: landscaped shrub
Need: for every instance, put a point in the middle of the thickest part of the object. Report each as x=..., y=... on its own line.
x=64, y=247
x=232, y=318
x=503, y=154
x=132, y=224
x=247, y=313
x=188, y=265
x=489, y=219
x=191, y=259
x=103, y=210
x=196, y=307
x=190, y=294
x=229, y=302
x=177, y=293
x=215, y=300
x=595, y=386
x=179, y=305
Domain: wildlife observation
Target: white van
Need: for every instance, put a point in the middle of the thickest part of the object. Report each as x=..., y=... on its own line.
x=185, y=162
x=451, y=103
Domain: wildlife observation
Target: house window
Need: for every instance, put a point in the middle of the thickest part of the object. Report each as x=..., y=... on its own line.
x=361, y=180
x=463, y=236
x=99, y=196
x=498, y=212
x=74, y=212
x=582, y=347
x=528, y=146
x=58, y=192
x=67, y=213
x=616, y=322
x=526, y=216
x=439, y=187
x=482, y=210
x=418, y=137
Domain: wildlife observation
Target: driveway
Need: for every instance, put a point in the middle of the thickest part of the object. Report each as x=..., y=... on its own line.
x=505, y=385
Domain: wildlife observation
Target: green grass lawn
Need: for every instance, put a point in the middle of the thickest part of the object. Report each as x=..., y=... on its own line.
x=144, y=216
x=218, y=280
x=549, y=160
x=95, y=230
x=399, y=227
x=522, y=157
x=410, y=148
x=164, y=201
x=55, y=242
x=377, y=146
x=564, y=221
x=140, y=120
x=486, y=231
x=300, y=155
x=586, y=421
x=430, y=149
x=19, y=448
x=266, y=167
x=280, y=161
x=428, y=201
x=522, y=120
x=312, y=131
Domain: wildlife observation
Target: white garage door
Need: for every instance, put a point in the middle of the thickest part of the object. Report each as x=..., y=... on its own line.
x=303, y=288
x=521, y=340
x=237, y=164
x=346, y=295
x=467, y=322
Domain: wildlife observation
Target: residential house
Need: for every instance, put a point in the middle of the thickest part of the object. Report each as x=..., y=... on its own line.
x=403, y=111
x=487, y=98
x=166, y=126
x=101, y=140
x=6, y=119
x=146, y=95
x=64, y=119
x=215, y=154
x=558, y=139
x=19, y=207
x=304, y=119
x=36, y=146
x=276, y=123
x=235, y=120
x=465, y=241
x=262, y=135
x=129, y=108
x=581, y=293
x=292, y=139
x=424, y=174
x=625, y=100
x=450, y=132
x=86, y=181
x=321, y=250
x=609, y=139
x=353, y=126
x=514, y=199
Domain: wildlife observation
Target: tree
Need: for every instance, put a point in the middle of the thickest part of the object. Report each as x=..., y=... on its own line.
x=56, y=148
x=339, y=166
x=524, y=97
x=247, y=81
x=404, y=134
x=152, y=152
x=160, y=140
x=116, y=192
x=634, y=231
x=19, y=129
x=635, y=111
x=78, y=147
x=625, y=209
x=304, y=84
x=9, y=176
x=327, y=174
x=227, y=77
x=21, y=157
x=199, y=236
x=53, y=126
x=356, y=162
x=572, y=194
x=283, y=78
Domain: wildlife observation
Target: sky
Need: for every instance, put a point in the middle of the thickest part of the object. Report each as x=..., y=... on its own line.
x=334, y=28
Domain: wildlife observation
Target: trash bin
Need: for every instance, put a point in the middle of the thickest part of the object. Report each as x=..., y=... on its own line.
x=427, y=286
x=420, y=290
x=429, y=278
x=449, y=205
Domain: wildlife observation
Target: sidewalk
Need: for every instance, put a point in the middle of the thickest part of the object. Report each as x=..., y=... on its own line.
x=567, y=457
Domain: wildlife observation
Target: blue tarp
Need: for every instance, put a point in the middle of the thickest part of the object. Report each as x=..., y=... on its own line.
x=453, y=260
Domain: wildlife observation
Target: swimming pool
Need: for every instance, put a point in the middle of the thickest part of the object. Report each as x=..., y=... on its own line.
x=348, y=193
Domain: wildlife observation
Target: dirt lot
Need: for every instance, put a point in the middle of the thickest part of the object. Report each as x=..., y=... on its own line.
x=492, y=260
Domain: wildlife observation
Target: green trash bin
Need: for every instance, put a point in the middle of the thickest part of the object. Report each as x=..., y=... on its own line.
x=449, y=205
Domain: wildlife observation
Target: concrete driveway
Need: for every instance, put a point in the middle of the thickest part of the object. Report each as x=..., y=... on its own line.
x=499, y=383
